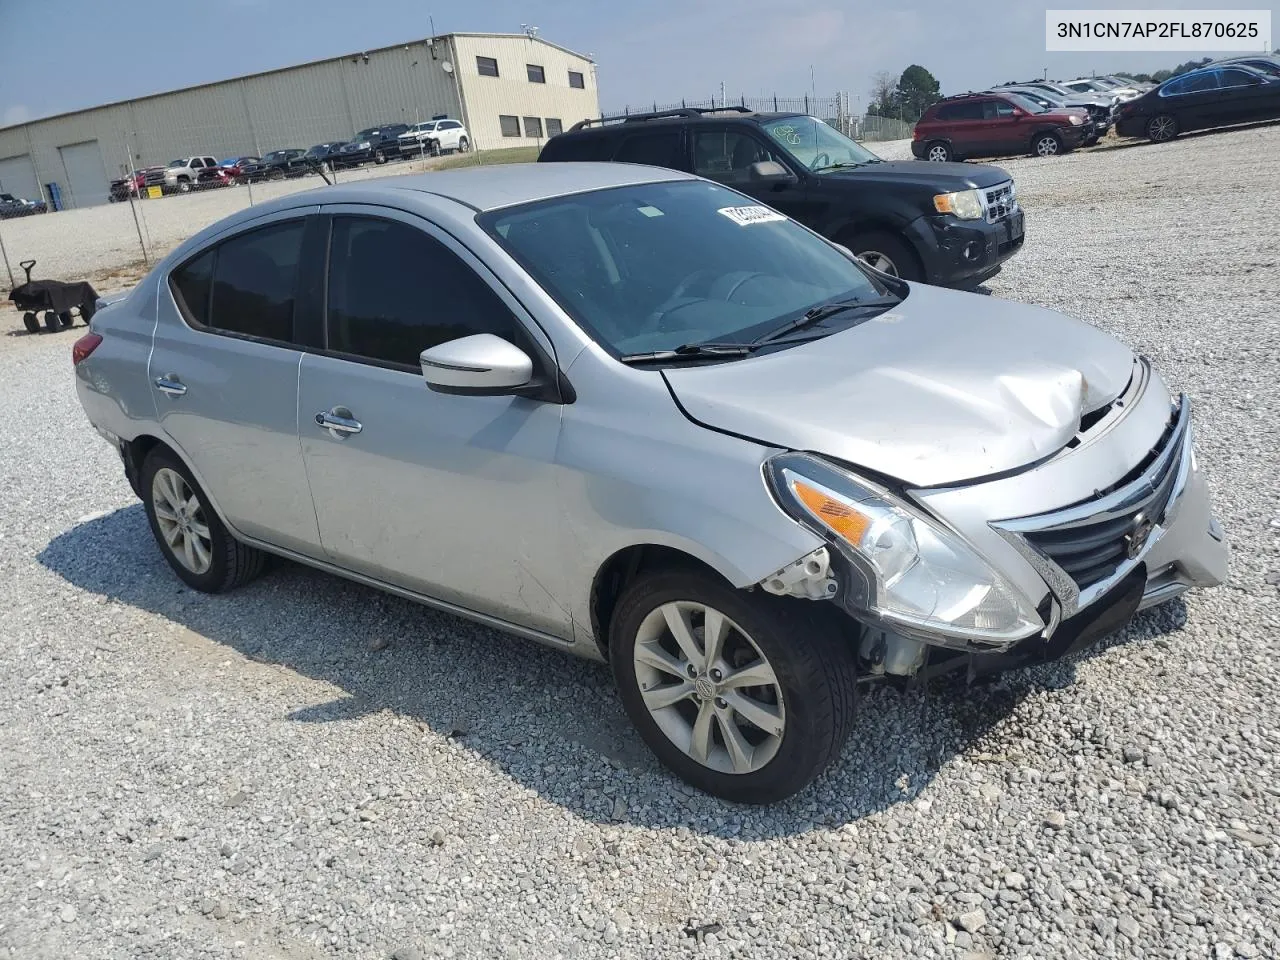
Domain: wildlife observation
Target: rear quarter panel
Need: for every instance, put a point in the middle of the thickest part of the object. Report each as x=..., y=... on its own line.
x=111, y=382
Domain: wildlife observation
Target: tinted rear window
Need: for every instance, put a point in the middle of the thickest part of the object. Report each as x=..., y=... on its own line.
x=657, y=148
x=968, y=110
x=578, y=148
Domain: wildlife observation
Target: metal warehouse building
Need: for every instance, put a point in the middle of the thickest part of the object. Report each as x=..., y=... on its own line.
x=508, y=89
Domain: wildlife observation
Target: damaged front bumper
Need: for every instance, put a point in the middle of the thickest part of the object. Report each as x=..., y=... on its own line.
x=1093, y=564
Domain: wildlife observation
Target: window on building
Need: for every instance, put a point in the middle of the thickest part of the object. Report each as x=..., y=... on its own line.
x=577, y=80
x=554, y=127
x=536, y=73
x=379, y=271
x=533, y=127
x=487, y=66
x=658, y=148
x=510, y=125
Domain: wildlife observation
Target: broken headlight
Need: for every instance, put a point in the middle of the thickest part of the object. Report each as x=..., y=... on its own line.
x=918, y=576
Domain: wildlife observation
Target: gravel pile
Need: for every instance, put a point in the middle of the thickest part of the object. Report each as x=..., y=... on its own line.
x=307, y=769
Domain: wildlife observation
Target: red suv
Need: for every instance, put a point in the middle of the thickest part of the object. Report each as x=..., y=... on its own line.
x=996, y=125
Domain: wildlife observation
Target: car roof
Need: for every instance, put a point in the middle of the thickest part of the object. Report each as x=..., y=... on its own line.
x=613, y=125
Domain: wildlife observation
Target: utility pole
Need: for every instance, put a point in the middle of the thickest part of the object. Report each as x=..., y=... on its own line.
x=722, y=93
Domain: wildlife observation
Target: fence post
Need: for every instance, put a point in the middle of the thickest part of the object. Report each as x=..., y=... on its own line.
x=5, y=254
x=128, y=156
x=775, y=103
x=806, y=103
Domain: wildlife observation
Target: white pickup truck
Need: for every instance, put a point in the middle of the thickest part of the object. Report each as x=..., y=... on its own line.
x=181, y=175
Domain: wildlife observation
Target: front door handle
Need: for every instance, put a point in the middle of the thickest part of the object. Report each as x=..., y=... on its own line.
x=170, y=385
x=339, y=422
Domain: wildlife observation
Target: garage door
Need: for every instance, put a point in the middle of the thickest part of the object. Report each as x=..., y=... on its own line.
x=18, y=176
x=87, y=182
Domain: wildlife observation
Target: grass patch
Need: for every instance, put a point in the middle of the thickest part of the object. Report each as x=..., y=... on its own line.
x=490, y=157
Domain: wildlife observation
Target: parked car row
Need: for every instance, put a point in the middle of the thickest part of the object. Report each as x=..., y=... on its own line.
x=11, y=207
x=1046, y=118
x=379, y=145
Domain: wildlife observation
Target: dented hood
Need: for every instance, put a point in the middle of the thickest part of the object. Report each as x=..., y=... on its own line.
x=942, y=388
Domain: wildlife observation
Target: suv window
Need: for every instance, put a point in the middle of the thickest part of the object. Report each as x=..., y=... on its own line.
x=379, y=273
x=997, y=109
x=245, y=284
x=582, y=148
x=962, y=110
x=658, y=148
x=727, y=155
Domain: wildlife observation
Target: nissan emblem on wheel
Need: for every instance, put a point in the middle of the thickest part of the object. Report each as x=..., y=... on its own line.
x=659, y=425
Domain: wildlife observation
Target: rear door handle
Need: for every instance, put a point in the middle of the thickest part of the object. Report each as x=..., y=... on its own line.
x=339, y=422
x=170, y=385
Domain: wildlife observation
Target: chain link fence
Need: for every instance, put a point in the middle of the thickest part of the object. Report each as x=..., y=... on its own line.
x=130, y=207
x=833, y=110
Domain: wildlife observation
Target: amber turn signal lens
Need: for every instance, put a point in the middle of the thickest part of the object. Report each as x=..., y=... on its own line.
x=838, y=516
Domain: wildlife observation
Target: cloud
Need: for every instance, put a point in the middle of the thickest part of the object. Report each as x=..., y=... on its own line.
x=13, y=115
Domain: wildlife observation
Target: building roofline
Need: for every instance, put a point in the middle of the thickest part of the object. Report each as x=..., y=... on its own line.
x=426, y=41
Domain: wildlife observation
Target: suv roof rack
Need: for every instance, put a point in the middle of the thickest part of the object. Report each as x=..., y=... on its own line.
x=661, y=115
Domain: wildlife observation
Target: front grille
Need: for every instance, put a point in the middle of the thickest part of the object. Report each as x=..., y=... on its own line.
x=1090, y=548
x=154, y=177
x=1000, y=201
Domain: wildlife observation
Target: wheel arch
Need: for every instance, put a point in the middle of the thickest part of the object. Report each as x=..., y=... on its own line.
x=623, y=566
x=945, y=141
x=879, y=223
x=134, y=454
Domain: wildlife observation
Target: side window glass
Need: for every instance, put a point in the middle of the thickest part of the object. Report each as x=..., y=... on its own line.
x=1004, y=109
x=394, y=291
x=253, y=282
x=727, y=155
x=191, y=284
x=1238, y=78
x=658, y=148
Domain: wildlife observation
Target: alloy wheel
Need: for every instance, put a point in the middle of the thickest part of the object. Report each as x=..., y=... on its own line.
x=709, y=688
x=1162, y=128
x=181, y=519
x=938, y=154
x=879, y=261
x=1047, y=146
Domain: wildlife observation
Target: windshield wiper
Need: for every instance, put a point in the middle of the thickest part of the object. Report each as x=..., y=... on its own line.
x=839, y=166
x=822, y=311
x=689, y=351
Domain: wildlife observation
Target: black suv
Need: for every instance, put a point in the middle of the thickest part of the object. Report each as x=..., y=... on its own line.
x=952, y=224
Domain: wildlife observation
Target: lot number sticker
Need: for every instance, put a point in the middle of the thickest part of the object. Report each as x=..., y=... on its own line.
x=745, y=216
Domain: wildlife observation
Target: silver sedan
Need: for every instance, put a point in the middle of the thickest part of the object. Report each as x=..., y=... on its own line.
x=641, y=418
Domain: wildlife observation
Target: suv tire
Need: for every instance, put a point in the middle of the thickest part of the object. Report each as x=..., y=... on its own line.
x=1046, y=145
x=806, y=691
x=888, y=254
x=184, y=185
x=194, y=540
x=463, y=145
x=939, y=151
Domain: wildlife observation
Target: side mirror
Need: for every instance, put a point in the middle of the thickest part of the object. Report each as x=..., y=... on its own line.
x=481, y=365
x=769, y=171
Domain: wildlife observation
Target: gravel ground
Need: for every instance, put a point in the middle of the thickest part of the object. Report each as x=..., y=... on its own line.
x=306, y=768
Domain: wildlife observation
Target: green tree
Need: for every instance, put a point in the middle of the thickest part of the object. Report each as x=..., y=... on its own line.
x=917, y=89
x=1160, y=76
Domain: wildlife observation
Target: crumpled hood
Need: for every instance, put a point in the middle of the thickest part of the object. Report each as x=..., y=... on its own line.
x=945, y=387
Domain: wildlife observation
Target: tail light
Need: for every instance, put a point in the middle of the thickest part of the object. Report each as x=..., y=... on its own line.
x=84, y=346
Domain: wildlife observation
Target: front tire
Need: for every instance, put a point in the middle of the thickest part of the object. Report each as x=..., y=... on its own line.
x=1046, y=145
x=745, y=696
x=184, y=186
x=192, y=538
x=888, y=254
x=1162, y=128
x=463, y=145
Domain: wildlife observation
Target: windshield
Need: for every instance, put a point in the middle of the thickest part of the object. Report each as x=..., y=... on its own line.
x=276, y=155
x=819, y=146
x=655, y=266
x=1026, y=103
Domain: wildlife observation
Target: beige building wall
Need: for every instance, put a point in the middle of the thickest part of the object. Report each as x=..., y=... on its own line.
x=512, y=94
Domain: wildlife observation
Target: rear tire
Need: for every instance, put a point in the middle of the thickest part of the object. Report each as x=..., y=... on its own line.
x=179, y=512
x=463, y=145
x=803, y=697
x=66, y=319
x=31, y=322
x=888, y=254
x=939, y=152
x=1162, y=128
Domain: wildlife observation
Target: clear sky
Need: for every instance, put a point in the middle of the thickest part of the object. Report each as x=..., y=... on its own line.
x=60, y=55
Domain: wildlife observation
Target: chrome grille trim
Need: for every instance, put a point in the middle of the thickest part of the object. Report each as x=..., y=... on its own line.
x=1161, y=484
x=999, y=201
